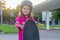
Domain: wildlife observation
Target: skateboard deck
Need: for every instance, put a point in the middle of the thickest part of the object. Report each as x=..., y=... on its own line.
x=30, y=31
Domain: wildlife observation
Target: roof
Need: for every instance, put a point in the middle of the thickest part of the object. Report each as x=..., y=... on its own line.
x=47, y=5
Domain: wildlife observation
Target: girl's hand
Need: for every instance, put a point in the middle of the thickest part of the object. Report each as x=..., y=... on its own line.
x=17, y=24
x=23, y=23
x=22, y=26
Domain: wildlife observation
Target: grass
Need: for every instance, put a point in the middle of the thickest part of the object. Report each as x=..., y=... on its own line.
x=51, y=26
x=55, y=26
x=9, y=28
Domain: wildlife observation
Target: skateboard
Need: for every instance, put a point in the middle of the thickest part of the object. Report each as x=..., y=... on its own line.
x=30, y=31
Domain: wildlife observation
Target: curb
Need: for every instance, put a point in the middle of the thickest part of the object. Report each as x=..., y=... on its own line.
x=2, y=33
x=50, y=29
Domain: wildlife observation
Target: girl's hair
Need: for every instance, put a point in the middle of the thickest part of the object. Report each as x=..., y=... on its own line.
x=27, y=3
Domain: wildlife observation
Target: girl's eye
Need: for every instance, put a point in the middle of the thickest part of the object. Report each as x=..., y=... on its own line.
x=28, y=9
x=24, y=8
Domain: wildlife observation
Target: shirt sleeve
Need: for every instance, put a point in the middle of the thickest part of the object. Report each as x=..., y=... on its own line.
x=17, y=18
x=17, y=23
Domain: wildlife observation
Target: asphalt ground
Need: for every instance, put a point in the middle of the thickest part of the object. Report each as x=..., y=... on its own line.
x=44, y=35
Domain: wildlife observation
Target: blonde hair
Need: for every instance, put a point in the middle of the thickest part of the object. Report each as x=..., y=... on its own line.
x=19, y=14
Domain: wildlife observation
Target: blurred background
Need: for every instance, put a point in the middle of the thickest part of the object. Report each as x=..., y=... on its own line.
x=46, y=13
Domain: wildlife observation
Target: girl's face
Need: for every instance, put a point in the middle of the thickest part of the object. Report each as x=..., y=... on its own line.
x=25, y=10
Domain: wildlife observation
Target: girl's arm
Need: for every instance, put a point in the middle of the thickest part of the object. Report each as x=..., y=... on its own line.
x=17, y=23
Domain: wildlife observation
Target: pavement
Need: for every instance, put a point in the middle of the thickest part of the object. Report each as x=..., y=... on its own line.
x=44, y=35
x=8, y=37
x=49, y=34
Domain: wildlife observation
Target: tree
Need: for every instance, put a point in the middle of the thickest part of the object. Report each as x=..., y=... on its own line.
x=56, y=14
x=38, y=16
x=2, y=3
x=16, y=11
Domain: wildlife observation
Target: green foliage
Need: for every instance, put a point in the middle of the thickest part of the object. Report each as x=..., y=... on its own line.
x=7, y=28
x=7, y=13
x=38, y=16
x=16, y=11
x=56, y=13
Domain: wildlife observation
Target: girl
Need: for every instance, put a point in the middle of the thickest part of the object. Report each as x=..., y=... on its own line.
x=23, y=16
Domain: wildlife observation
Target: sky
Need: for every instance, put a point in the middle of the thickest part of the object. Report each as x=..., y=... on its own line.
x=14, y=3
